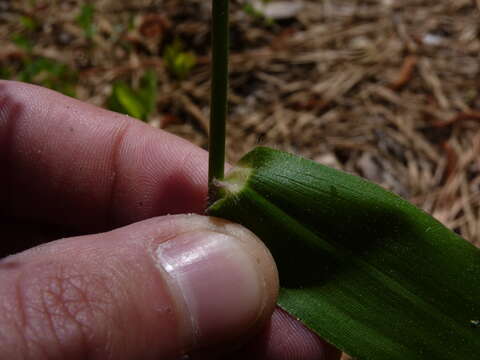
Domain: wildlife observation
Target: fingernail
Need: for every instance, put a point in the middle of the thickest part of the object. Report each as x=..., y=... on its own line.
x=217, y=279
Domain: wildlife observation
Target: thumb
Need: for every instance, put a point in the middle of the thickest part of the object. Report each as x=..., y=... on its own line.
x=152, y=290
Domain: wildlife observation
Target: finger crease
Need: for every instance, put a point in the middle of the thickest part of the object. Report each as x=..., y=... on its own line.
x=115, y=168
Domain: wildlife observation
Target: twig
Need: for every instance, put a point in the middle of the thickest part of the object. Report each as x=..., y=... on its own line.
x=473, y=115
x=405, y=73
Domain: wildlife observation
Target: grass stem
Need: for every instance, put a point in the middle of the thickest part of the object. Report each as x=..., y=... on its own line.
x=219, y=94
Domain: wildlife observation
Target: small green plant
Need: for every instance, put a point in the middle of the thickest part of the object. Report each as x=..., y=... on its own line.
x=366, y=270
x=22, y=41
x=5, y=72
x=257, y=14
x=42, y=71
x=138, y=103
x=34, y=69
x=86, y=20
x=49, y=73
x=178, y=61
x=38, y=70
x=24, y=38
x=29, y=23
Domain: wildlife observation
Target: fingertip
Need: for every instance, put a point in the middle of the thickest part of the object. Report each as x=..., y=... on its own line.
x=163, y=287
x=224, y=276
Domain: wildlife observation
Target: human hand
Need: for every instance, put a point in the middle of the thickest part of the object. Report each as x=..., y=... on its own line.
x=156, y=288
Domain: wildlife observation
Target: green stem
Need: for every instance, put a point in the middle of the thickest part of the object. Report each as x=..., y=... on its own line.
x=219, y=93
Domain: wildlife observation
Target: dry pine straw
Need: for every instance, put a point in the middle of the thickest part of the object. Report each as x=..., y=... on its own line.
x=384, y=89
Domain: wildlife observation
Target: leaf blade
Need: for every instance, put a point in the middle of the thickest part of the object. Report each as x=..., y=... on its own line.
x=393, y=291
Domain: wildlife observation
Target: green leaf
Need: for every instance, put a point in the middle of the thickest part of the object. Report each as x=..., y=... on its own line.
x=179, y=62
x=148, y=91
x=252, y=11
x=28, y=23
x=22, y=42
x=5, y=73
x=365, y=269
x=138, y=103
x=49, y=73
x=86, y=19
x=126, y=101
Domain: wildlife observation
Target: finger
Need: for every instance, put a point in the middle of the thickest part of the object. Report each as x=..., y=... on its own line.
x=285, y=338
x=64, y=161
x=152, y=290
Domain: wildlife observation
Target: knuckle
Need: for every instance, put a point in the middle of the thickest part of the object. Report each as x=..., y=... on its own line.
x=58, y=311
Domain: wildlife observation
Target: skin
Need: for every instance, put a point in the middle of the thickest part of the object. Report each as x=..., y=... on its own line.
x=105, y=184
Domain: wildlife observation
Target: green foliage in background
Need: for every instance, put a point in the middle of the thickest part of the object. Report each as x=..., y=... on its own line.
x=35, y=69
x=5, y=72
x=49, y=73
x=29, y=23
x=24, y=38
x=138, y=103
x=43, y=71
x=257, y=14
x=179, y=62
x=86, y=20
x=22, y=41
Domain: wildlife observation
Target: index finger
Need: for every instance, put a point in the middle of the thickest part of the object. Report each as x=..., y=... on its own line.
x=66, y=162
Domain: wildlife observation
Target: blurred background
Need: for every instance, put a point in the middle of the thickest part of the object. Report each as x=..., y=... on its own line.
x=385, y=89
